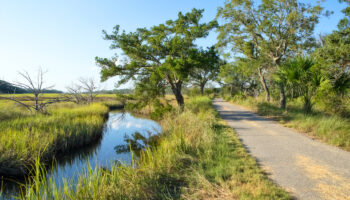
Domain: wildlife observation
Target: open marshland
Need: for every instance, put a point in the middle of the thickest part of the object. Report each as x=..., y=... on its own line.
x=196, y=156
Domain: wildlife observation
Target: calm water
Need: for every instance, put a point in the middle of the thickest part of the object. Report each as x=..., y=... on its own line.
x=121, y=132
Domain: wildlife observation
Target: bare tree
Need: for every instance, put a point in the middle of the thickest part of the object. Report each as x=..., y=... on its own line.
x=83, y=92
x=76, y=94
x=35, y=87
x=90, y=87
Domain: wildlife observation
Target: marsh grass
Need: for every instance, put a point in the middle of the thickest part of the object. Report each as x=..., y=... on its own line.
x=9, y=110
x=24, y=136
x=332, y=129
x=197, y=157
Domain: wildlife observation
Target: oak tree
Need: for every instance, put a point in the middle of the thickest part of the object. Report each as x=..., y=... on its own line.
x=277, y=29
x=207, y=66
x=159, y=53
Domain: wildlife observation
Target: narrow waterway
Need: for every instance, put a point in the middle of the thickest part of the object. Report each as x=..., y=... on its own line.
x=122, y=132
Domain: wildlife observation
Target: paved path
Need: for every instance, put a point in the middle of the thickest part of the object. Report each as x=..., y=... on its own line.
x=308, y=169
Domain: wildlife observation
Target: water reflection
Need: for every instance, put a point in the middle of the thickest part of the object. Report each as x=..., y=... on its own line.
x=136, y=143
x=121, y=132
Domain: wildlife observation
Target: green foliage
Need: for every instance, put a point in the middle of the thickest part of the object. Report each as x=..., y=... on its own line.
x=268, y=32
x=193, y=92
x=328, y=98
x=303, y=76
x=158, y=54
x=206, y=67
x=159, y=110
x=238, y=77
x=271, y=29
x=147, y=93
x=333, y=56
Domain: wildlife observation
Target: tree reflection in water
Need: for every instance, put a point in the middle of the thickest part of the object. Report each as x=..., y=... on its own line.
x=136, y=143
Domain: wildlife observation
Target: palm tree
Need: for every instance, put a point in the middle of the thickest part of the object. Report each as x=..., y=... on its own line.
x=301, y=74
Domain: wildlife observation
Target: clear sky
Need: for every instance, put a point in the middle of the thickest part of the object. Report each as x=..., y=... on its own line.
x=64, y=36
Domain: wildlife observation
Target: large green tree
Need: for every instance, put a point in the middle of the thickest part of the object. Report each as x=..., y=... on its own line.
x=277, y=29
x=334, y=58
x=253, y=59
x=160, y=53
x=334, y=54
x=336, y=46
x=207, y=66
x=238, y=76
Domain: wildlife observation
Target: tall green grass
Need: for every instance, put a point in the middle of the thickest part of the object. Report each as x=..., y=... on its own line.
x=9, y=110
x=196, y=157
x=23, y=137
x=332, y=129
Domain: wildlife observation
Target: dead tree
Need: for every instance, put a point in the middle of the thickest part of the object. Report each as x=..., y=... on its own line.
x=35, y=87
x=84, y=91
x=76, y=94
x=90, y=88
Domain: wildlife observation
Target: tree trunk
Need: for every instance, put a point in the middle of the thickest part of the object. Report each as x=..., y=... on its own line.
x=36, y=104
x=91, y=97
x=282, y=97
x=307, y=102
x=263, y=82
x=180, y=99
x=202, y=85
x=178, y=95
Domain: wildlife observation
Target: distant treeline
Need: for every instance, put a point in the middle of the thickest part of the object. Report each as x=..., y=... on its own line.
x=116, y=91
x=9, y=88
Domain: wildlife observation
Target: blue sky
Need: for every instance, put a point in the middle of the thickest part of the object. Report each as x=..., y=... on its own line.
x=64, y=36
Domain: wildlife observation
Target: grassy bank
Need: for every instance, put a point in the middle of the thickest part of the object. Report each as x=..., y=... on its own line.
x=196, y=157
x=25, y=136
x=332, y=129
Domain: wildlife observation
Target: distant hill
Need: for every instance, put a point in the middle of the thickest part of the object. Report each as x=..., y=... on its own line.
x=9, y=88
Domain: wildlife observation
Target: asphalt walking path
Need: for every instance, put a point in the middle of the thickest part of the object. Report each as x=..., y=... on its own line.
x=306, y=168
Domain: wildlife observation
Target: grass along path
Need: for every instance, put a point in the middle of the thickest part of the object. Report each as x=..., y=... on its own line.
x=197, y=157
x=332, y=129
x=309, y=169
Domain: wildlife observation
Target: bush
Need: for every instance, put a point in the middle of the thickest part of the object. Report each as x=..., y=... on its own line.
x=159, y=110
